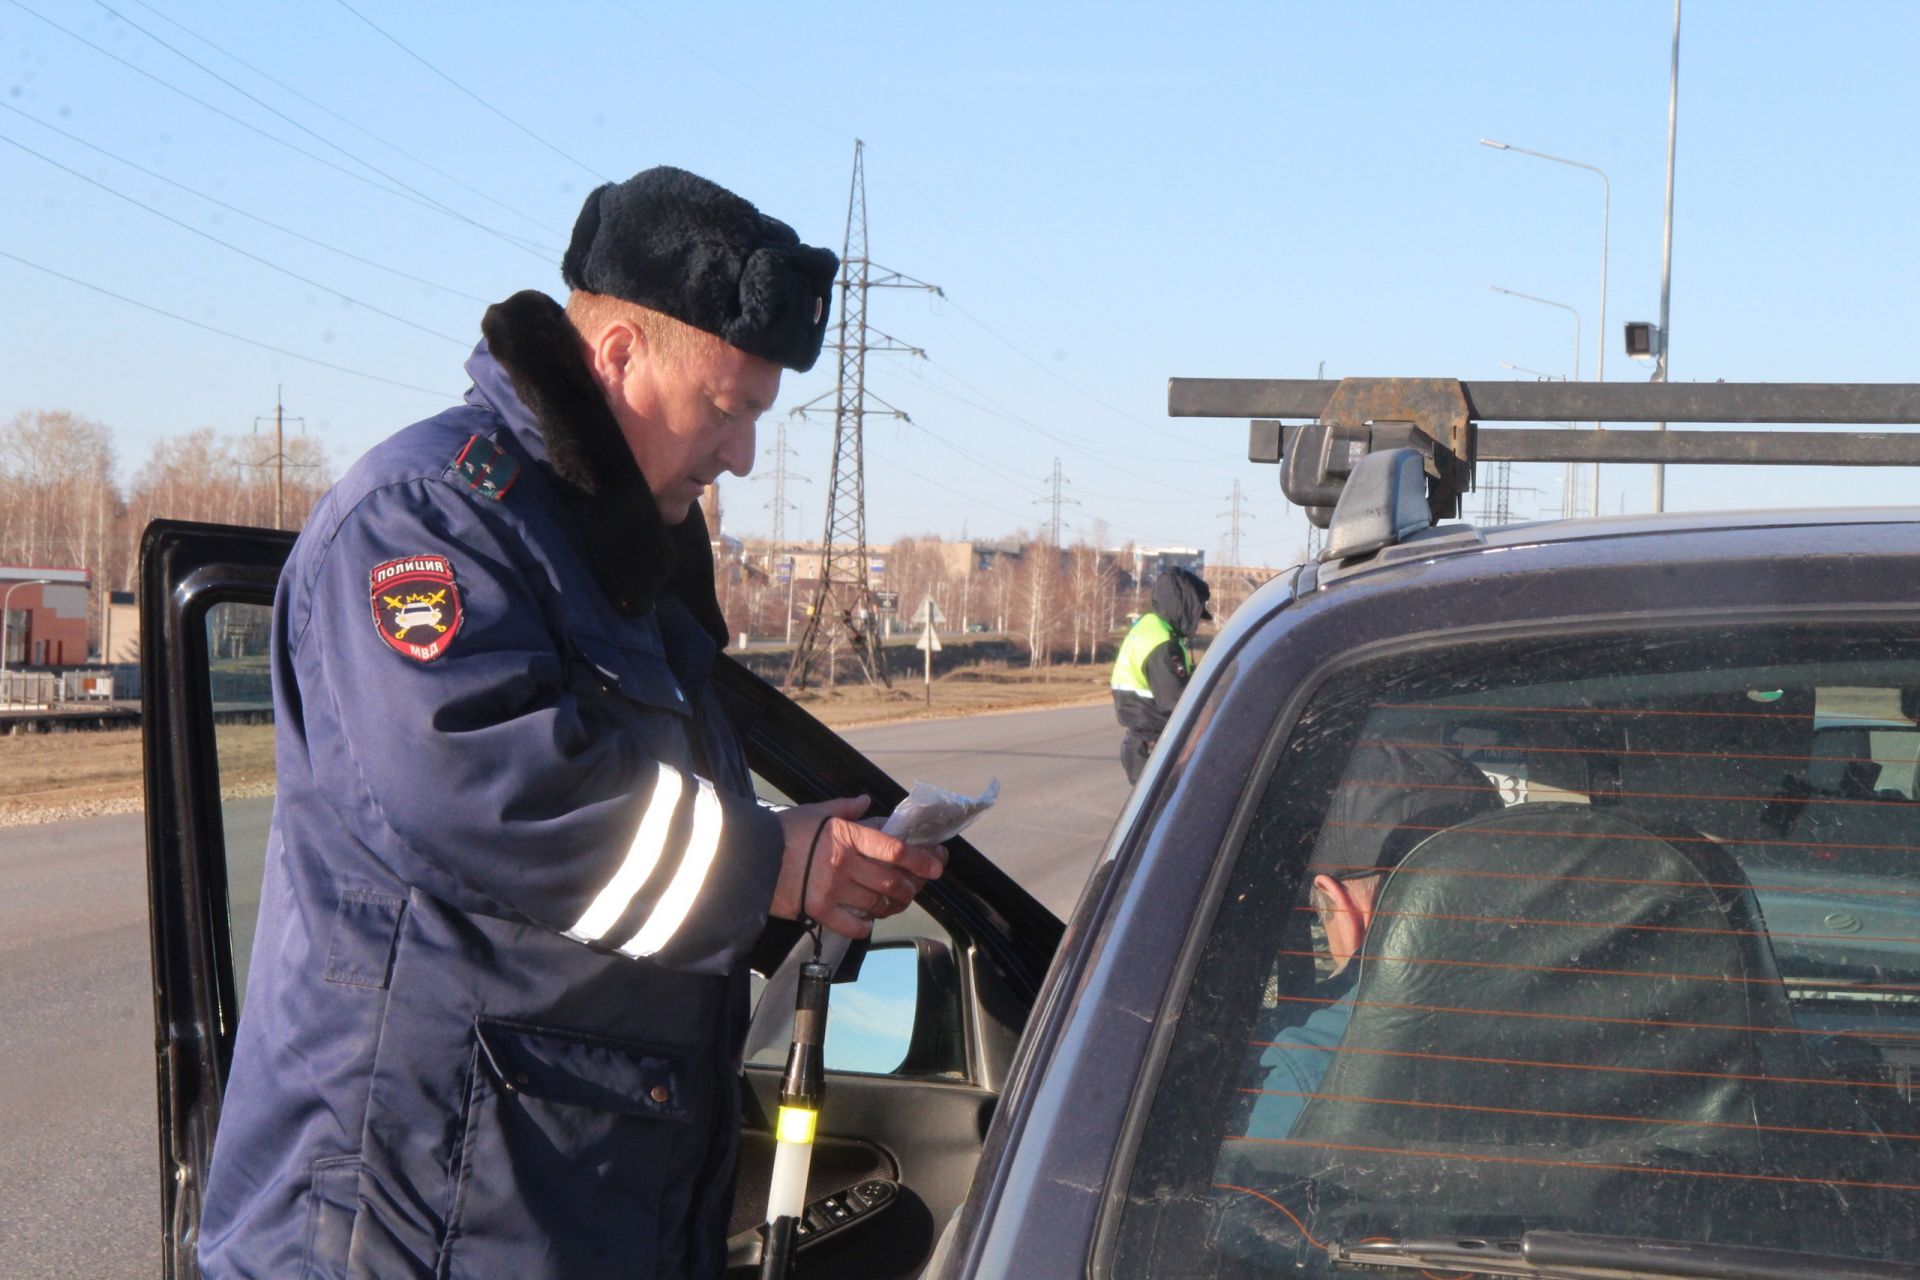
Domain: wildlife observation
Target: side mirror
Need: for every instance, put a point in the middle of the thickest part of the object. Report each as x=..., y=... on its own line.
x=900, y=1015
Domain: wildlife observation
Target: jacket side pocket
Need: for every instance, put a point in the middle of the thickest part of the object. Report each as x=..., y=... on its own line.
x=331, y=1201
x=569, y=1144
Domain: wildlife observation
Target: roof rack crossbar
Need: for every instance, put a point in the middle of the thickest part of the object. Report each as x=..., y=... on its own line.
x=1809, y=403
x=1437, y=421
x=1718, y=448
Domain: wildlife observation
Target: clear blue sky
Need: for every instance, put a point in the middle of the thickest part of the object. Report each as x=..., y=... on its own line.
x=1109, y=194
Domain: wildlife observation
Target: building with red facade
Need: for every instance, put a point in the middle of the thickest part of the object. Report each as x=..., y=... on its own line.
x=45, y=612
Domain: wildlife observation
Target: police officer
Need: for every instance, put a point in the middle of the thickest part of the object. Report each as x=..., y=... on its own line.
x=516, y=870
x=1154, y=663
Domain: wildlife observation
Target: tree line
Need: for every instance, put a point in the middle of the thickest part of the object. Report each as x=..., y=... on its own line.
x=63, y=505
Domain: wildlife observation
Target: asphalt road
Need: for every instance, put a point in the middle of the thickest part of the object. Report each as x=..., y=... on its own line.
x=78, y=1162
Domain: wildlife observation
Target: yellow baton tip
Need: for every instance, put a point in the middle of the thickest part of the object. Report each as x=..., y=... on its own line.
x=796, y=1124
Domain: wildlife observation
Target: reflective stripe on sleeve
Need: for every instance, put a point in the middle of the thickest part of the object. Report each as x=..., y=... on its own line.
x=649, y=842
x=671, y=911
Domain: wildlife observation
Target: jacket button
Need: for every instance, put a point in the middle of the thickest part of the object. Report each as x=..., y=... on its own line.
x=660, y=1093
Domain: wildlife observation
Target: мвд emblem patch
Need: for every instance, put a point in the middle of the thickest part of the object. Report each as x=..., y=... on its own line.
x=416, y=605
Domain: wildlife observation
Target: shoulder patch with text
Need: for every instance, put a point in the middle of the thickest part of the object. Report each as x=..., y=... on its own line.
x=416, y=605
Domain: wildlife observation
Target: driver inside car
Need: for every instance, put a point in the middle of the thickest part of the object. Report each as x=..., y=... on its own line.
x=1390, y=799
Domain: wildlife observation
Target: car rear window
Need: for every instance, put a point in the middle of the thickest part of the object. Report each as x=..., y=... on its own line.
x=1614, y=934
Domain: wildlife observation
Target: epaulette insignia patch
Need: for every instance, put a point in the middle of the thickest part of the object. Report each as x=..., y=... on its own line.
x=416, y=605
x=485, y=468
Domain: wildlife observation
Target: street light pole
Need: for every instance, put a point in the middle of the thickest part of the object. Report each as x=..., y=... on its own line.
x=1567, y=507
x=1606, y=217
x=1666, y=248
x=6, y=603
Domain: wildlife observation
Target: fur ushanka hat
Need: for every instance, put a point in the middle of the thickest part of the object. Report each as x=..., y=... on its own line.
x=689, y=248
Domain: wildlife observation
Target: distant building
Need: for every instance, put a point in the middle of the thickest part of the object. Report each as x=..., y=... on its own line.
x=120, y=638
x=45, y=615
x=1150, y=562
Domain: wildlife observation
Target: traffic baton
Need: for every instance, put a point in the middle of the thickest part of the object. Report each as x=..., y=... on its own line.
x=801, y=1089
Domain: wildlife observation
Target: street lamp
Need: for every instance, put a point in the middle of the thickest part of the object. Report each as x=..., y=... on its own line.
x=1606, y=213
x=1567, y=499
x=6, y=603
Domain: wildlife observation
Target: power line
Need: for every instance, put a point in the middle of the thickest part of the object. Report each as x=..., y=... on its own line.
x=1096, y=451
x=252, y=342
x=545, y=256
x=269, y=107
x=233, y=208
x=394, y=147
x=1009, y=416
x=1061, y=378
x=591, y=171
x=187, y=226
x=785, y=105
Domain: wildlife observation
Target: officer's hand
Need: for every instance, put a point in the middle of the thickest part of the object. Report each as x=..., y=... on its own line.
x=859, y=874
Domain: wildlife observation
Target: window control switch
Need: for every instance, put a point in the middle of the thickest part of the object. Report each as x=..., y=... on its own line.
x=830, y=1213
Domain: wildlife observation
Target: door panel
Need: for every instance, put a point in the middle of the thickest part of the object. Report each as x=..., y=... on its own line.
x=929, y=1131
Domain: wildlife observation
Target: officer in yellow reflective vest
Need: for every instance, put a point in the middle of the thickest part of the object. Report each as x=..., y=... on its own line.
x=1154, y=663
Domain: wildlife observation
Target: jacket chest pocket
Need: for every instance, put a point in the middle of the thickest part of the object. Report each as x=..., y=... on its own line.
x=576, y=1157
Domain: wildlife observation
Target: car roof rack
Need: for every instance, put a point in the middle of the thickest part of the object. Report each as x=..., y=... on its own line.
x=1381, y=458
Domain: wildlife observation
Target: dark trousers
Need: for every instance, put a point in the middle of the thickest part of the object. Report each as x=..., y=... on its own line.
x=1134, y=750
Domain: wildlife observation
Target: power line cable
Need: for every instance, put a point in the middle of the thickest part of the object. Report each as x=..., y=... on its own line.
x=253, y=257
x=1099, y=451
x=1061, y=378
x=264, y=105
x=786, y=107
x=1009, y=416
x=364, y=132
x=922, y=478
x=252, y=342
x=544, y=255
x=233, y=208
x=1023, y=517
x=595, y=173
x=787, y=111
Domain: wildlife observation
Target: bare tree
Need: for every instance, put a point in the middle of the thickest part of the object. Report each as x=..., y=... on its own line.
x=59, y=504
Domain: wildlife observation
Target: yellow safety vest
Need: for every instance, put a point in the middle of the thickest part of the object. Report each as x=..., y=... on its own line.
x=1130, y=667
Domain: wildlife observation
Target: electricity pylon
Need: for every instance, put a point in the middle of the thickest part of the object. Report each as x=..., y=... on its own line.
x=843, y=603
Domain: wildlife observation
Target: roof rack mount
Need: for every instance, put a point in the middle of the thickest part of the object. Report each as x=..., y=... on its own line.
x=1438, y=418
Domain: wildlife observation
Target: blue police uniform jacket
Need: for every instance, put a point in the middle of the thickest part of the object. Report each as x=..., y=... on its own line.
x=498, y=987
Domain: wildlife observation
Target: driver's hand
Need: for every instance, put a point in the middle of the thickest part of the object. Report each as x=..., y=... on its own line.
x=859, y=874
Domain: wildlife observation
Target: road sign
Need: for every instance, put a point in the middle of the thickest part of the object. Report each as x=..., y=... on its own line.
x=886, y=601
x=929, y=644
x=928, y=613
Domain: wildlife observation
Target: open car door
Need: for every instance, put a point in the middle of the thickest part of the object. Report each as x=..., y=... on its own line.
x=918, y=1045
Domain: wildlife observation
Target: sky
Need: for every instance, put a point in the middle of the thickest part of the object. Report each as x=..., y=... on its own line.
x=321, y=197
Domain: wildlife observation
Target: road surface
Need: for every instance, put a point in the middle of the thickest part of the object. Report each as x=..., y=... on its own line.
x=78, y=1161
